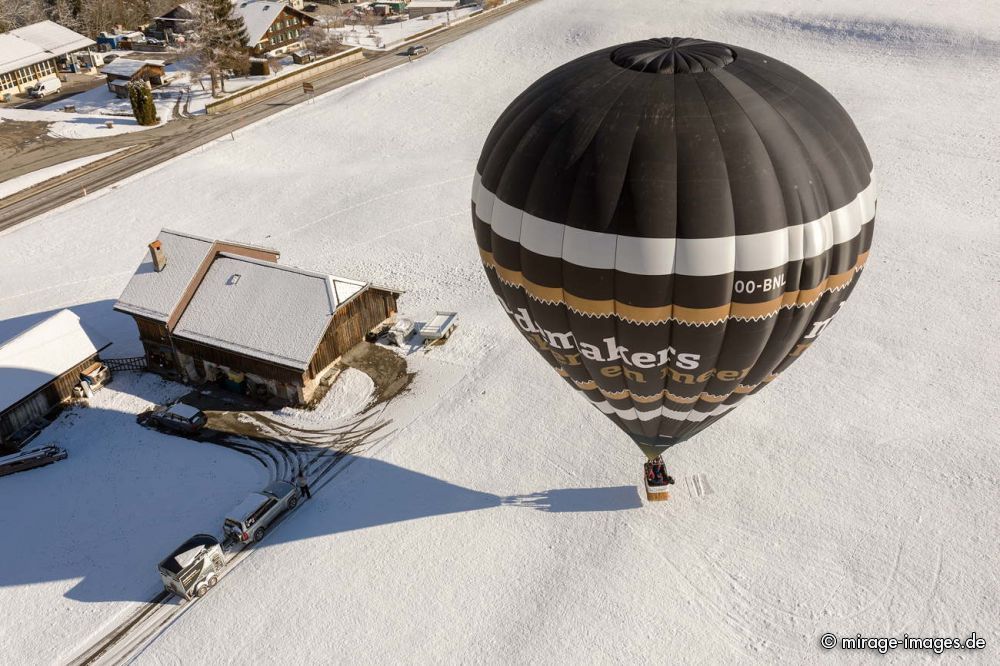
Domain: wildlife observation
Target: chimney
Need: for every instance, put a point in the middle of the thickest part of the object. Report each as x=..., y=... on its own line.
x=159, y=258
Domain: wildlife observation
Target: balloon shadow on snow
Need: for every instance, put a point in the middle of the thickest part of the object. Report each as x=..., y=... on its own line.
x=377, y=493
x=126, y=496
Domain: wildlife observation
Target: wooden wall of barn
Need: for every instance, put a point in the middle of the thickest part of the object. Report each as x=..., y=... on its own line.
x=236, y=361
x=57, y=391
x=350, y=324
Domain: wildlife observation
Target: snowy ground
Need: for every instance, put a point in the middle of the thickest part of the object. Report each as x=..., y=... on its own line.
x=86, y=125
x=500, y=522
x=14, y=185
x=122, y=500
x=389, y=35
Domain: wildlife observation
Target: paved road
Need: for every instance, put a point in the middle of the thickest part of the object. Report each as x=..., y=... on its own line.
x=151, y=147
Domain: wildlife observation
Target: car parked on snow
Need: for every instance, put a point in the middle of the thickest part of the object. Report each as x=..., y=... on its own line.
x=193, y=567
x=180, y=418
x=46, y=87
x=251, y=518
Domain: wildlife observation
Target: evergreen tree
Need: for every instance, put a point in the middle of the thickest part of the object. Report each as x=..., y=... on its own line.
x=141, y=96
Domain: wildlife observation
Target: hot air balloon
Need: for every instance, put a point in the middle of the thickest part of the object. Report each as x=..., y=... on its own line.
x=671, y=223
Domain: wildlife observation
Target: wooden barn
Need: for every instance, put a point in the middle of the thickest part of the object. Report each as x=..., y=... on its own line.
x=225, y=312
x=39, y=369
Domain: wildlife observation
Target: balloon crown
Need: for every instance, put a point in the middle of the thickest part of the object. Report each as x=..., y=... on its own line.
x=673, y=55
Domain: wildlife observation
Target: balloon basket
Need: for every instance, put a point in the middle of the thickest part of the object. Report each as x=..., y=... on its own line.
x=656, y=480
x=656, y=493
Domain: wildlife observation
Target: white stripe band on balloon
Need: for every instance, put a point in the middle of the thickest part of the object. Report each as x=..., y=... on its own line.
x=675, y=256
x=632, y=414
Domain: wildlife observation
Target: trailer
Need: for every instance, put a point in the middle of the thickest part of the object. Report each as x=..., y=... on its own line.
x=25, y=460
x=440, y=327
x=193, y=567
x=401, y=331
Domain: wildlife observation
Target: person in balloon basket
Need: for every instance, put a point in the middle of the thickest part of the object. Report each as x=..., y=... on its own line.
x=656, y=473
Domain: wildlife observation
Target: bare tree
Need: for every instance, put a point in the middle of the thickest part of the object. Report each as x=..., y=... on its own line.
x=19, y=13
x=321, y=41
x=222, y=41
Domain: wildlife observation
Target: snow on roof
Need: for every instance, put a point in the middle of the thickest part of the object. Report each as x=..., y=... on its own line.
x=258, y=15
x=37, y=43
x=250, y=503
x=128, y=66
x=263, y=310
x=184, y=411
x=155, y=295
x=53, y=37
x=42, y=353
x=432, y=4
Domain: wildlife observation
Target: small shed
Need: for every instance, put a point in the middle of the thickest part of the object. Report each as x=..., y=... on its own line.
x=122, y=71
x=39, y=369
x=303, y=56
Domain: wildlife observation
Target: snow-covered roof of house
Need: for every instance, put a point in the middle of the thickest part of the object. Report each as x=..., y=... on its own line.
x=258, y=15
x=37, y=43
x=42, y=353
x=433, y=4
x=264, y=310
x=155, y=295
x=16, y=53
x=128, y=67
x=53, y=37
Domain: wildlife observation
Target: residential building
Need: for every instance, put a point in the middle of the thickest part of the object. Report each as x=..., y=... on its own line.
x=273, y=28
x=227, y=312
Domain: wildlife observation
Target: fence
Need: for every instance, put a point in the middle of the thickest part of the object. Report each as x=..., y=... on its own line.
x=134, y=364
x=283, y=81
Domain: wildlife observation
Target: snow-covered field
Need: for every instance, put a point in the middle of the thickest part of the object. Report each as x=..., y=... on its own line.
x=388, y=35
x=500, y=522
x=90, y=124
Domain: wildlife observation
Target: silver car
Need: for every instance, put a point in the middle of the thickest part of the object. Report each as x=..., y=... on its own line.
x=251, y=518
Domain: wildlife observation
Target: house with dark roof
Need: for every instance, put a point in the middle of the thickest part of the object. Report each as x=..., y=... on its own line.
x=226, y=312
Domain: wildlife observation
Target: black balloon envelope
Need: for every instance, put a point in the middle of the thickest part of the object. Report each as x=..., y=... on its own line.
x=671, y=223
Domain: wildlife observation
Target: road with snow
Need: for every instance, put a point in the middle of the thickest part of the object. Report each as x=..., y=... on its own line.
x=180, y=136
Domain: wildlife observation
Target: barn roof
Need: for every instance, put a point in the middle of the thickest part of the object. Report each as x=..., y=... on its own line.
x=264, y=310
x=37, y=43
x=42, y=353
x=128, y=67
x=53, y=37
x=154, y=295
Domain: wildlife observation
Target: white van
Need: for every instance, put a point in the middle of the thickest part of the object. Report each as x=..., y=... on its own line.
x=46, y=87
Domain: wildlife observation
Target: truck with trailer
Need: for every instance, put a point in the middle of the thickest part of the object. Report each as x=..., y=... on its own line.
x=193, y=567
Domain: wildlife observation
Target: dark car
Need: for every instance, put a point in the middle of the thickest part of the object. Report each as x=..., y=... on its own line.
x=415, y=50
x=178, y=418
x=311, y=7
